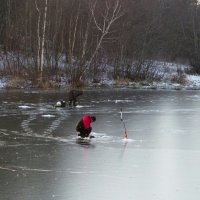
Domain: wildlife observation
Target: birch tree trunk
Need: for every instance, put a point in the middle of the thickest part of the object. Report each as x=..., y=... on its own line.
x=43, y=39
x=38, y=37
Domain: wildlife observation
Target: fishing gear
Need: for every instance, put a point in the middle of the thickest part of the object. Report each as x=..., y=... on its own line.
x=125, y=131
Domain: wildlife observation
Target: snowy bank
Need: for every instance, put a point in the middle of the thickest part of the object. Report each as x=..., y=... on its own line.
x=2, y=83
x=166, y=70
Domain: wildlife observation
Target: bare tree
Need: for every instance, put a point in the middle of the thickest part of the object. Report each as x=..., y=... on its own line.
x=111, y=13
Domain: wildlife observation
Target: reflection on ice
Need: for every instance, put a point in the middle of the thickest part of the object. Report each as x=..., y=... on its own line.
x=128, y=140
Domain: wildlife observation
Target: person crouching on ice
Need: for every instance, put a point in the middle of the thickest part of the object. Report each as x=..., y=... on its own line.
x=83, y=126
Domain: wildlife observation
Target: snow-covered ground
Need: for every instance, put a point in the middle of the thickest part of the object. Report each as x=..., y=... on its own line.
x=194, y=80
x=166, y=70
x=2, y=83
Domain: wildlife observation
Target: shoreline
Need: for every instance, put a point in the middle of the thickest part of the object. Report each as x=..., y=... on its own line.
x=130, y=85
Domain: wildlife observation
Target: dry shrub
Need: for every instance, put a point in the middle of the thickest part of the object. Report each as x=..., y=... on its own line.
x=179, y=78
x=16, y=82
x=77, y=84
x=44, y=84
x=122, y=80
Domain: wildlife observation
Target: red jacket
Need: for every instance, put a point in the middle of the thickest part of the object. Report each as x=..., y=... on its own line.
x=86, y=121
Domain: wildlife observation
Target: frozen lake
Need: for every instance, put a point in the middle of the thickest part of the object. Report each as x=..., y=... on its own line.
x=40, y=159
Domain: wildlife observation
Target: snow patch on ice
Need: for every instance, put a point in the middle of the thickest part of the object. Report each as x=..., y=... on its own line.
x=24, y=107
x=48, y=115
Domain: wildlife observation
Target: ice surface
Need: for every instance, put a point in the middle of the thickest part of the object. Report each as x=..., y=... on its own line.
x=160, y=159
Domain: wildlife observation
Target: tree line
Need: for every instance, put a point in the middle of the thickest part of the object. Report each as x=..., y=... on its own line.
x=81, y=38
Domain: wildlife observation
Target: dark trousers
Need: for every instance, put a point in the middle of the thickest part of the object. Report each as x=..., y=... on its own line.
x=85, y=133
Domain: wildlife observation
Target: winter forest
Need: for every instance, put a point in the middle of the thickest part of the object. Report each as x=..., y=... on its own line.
x=42, y=40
